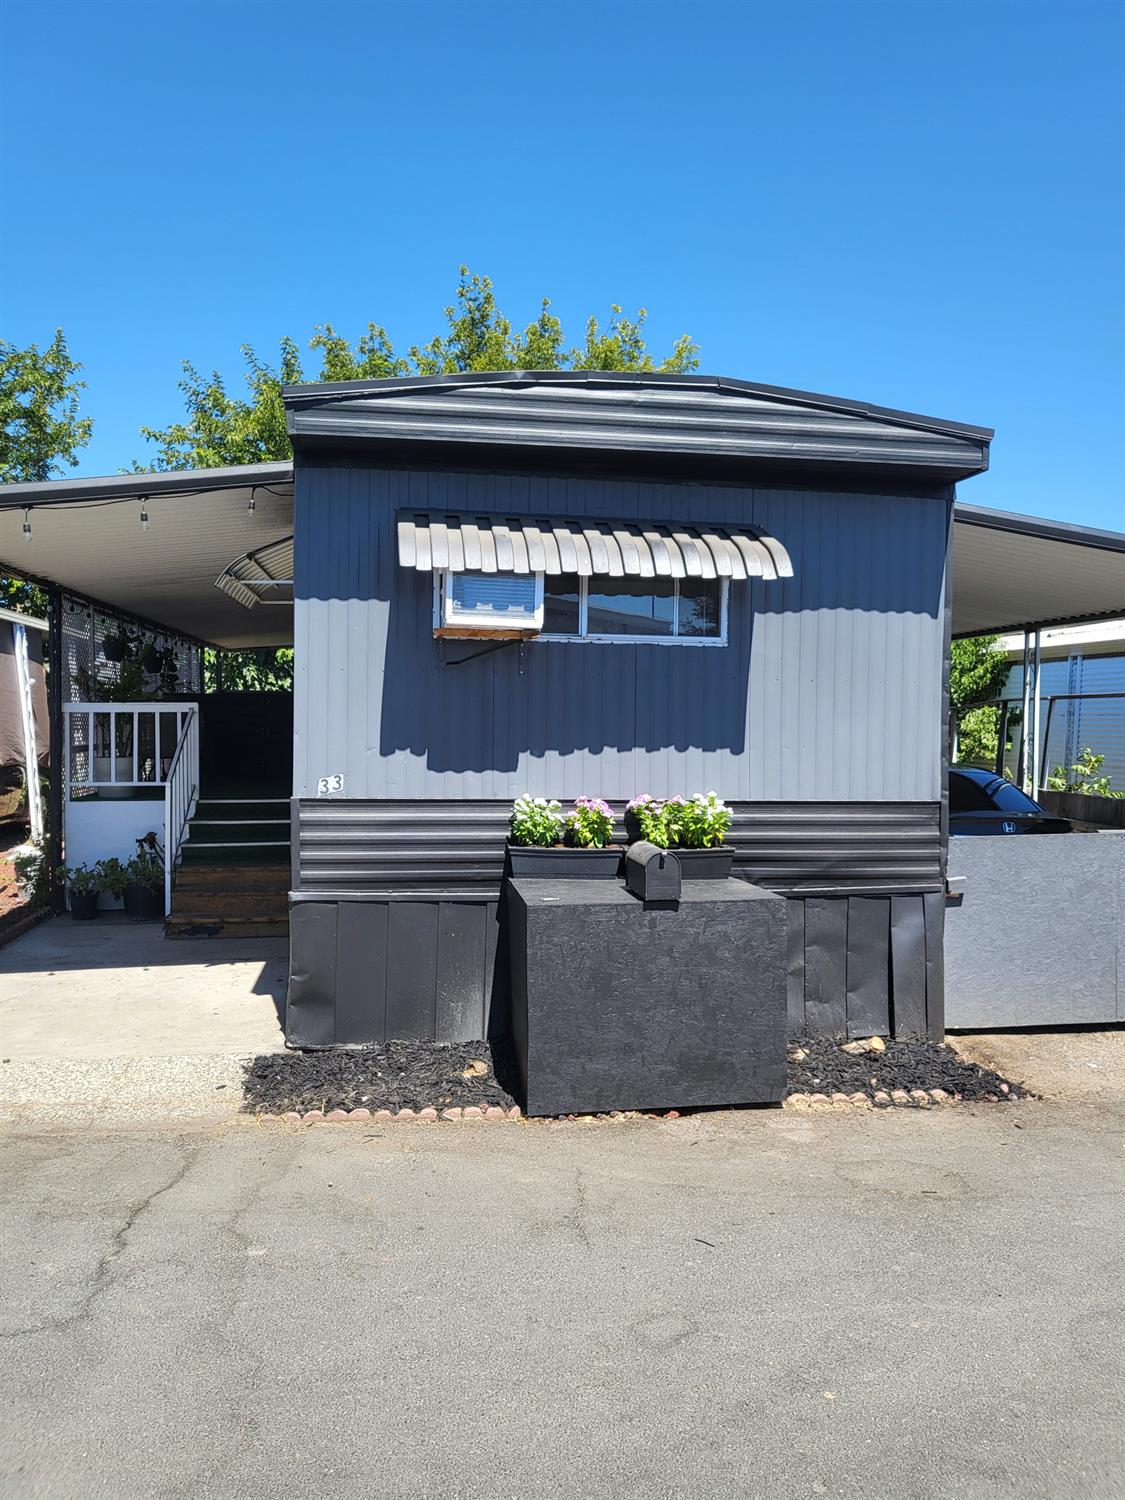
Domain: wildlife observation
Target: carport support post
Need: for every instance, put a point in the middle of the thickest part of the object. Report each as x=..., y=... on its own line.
x=59, y=747
x=1036, y=752
x=1022, y=763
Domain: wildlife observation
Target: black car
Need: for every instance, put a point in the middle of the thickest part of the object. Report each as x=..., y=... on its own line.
x=981, y=802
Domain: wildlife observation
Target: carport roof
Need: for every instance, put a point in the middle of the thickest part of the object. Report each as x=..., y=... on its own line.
x=1013, y=572
x=1009, y=571
x=87, y=536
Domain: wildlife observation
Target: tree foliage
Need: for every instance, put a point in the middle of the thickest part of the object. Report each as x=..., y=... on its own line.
x=221, y=428
x=40, y=432
x=255, y=669
x=40, y=429
x=978, y=670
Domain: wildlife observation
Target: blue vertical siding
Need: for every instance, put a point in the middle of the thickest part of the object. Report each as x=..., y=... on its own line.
x=829, y=688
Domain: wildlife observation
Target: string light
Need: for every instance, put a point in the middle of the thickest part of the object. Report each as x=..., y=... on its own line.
x=144, y=512
x=27, y=522
x=251, y=503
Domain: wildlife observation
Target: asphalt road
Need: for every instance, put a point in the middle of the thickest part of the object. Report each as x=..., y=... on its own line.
x=772, y=1305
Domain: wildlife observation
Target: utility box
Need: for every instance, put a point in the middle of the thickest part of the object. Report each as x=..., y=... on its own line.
x=621, y=1006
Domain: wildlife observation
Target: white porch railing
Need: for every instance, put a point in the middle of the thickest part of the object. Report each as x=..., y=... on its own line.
x=115, y=752
x=121, y=745
x=181, y=792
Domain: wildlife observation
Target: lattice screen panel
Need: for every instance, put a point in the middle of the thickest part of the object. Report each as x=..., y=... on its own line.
x=90, y=675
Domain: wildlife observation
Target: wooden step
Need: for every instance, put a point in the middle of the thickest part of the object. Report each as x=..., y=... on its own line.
x=202, y=924
x=234, y=856
x=227, y=903
x=224, y=877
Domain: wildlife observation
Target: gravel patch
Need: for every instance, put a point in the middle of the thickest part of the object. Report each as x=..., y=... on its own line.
x=818, y=1065
x=423, y=1075
x=396, y=1075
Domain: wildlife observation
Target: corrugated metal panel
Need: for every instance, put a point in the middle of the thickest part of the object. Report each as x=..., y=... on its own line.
x=258, y=577
x=429, y=540
x=457, y=848
x=829, y=688
x=701, y=416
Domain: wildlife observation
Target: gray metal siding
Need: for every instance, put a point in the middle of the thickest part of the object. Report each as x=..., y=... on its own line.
x=829, y=688
x=710, y=419
x=457, y=848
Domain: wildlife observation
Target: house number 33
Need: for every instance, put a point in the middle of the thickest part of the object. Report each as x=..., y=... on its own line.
x=330, y=786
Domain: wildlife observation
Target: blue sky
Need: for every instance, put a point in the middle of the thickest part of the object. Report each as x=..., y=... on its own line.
x=910, y=203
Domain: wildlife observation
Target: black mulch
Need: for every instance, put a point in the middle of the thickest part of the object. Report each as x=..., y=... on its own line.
x=397, y=1075
x=416, y=1075
x=904, y=1065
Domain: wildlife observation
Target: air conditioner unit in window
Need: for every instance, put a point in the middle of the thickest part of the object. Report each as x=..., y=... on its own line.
x=471, y=605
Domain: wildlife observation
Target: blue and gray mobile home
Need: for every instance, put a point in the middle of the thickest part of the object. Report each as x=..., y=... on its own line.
x=608, y=584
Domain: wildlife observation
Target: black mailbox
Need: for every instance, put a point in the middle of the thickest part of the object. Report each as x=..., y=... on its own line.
x=652, y=874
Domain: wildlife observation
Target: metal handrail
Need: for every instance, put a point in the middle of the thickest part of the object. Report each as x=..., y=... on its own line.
x=181, y=793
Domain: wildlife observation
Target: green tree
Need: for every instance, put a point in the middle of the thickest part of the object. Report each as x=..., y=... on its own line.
x=40, y=432
x=255, y=669
x=40, y=429
x=221, y=428
x=978, y=669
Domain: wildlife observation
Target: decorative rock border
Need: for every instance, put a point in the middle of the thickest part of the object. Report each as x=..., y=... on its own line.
x=385, y=1116
x=882, y=1099
x=429, y=1115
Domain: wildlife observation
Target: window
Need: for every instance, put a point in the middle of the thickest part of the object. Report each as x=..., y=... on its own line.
x=564, y=607
x=635, y=609
x=492, y=601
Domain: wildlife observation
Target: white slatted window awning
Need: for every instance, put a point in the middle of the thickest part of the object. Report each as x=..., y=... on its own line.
x=264, y=576
x=431, y=541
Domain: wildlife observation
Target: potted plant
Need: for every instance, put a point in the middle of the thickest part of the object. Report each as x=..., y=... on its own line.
x=112, y=878
x=537, y=830
x=695, y=827
x=82, y=891
x=144, y=882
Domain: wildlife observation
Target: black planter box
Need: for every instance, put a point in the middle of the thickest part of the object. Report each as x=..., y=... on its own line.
x=526, y=862
x=143, y=904
x=615, y=1006
x=704, y=864
x=83, y=905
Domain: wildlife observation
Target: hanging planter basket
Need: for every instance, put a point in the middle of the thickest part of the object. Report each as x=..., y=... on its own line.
x=115, y=647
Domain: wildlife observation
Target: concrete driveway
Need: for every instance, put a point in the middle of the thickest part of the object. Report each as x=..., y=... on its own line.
x=108, y=1020
x=737, y=1304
